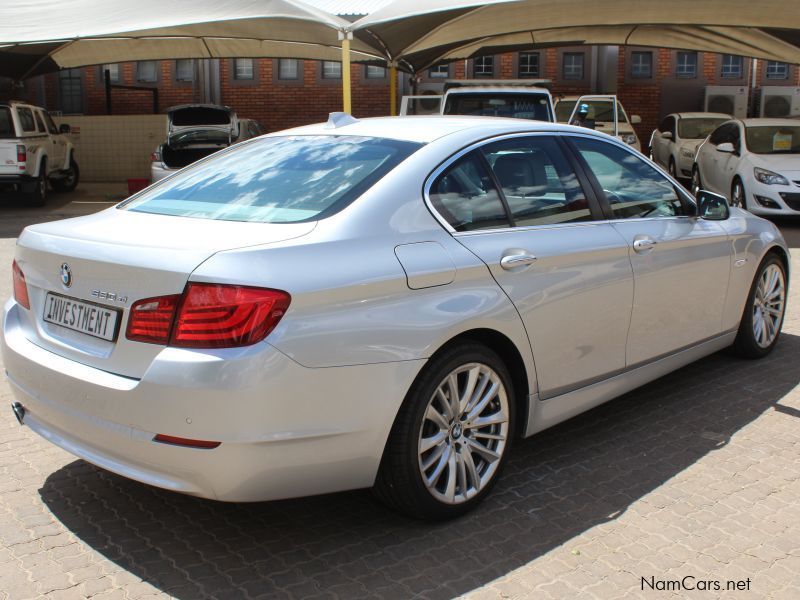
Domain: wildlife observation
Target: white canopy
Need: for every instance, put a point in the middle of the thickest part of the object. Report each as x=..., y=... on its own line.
x=38, y=36
x=421, y=34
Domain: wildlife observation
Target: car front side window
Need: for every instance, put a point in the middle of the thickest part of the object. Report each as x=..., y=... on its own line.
x=633, y=189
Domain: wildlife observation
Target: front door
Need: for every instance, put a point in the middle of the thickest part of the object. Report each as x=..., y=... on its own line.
x=517, y=204
x=681, y=263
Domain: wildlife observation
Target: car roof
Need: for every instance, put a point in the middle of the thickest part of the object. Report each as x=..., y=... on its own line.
x=426, y=129
x=756, y=122
x=701, y=115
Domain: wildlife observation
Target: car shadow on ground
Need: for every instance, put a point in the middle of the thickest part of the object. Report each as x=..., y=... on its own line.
x=557, y=485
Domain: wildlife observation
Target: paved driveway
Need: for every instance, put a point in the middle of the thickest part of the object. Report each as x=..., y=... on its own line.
x=692, y=479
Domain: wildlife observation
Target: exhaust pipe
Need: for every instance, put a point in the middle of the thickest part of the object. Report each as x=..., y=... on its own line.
x=19, y=412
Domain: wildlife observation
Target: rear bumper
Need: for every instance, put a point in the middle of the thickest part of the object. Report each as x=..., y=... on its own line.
x=285, y=430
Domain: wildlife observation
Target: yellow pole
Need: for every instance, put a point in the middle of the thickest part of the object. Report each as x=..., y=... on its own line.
x=346, y=99
x=393, y=89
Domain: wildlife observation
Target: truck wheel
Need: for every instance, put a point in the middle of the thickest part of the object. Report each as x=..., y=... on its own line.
x=69, y=180
x=37, y=196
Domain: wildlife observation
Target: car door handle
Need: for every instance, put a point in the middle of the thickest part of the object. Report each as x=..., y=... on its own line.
x=518, y=259
x=643, y=244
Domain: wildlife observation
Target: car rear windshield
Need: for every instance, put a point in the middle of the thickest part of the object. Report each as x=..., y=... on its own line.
x=276, y=180
x=773, y=139
x=697, y=129
x=6, y=124
x=494, y=104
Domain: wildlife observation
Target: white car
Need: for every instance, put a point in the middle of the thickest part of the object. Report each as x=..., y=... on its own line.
x=601, y=116
x=674, y=144
x=755, y=163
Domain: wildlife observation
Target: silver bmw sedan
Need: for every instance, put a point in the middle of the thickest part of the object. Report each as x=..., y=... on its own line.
x=381, y=303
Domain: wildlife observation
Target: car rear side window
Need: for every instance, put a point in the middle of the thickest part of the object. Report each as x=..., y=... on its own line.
x=26, y=119
x=6, y=124
x=276, y=180
x=633, y=188
x=466, y=197
x=538, y=183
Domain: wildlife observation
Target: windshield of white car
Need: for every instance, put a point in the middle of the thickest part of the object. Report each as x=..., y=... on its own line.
x=499, y=104
x=599, y=110
x=773, y=139
x=6, y=124
x=697, y=129
x=276, y=180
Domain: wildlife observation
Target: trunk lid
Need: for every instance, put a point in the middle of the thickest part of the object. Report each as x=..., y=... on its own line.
x=191, y=123
x=8, y=158
x=127, y=256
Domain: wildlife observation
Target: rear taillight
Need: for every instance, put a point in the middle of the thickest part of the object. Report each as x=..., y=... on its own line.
x=208, y=316
x=151, y=319
x=20, y=287
x=155, y=156
x=22, y=154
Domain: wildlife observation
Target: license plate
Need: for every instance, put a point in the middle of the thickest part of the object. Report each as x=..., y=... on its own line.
x=86, y=317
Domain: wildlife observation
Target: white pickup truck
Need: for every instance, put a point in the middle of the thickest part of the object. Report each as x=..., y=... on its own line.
x=34, y=152
x=516, y=98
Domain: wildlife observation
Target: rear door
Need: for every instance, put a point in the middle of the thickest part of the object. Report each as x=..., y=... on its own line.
x=518, y=204
x=681, y=264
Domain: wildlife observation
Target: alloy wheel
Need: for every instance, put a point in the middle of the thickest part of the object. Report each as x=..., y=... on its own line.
x=464, y=433
x=768, y=305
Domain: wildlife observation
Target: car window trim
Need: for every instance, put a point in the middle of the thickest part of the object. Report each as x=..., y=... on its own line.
x=683, y=196
x=594, y=205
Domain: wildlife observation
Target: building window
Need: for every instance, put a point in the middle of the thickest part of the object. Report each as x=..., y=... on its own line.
x=528, y=65
x=113, y=72
x=483, y=66
x=732, y=66
x=243, y=68
x=641, y=65
x=147, y=71
x=184, y=69
x=70, y=87
x=572, y=65
x=288, y=68
x=439, y=72
x=331, y=69
x=777, y=70
x=375, y=72
x=686, y=65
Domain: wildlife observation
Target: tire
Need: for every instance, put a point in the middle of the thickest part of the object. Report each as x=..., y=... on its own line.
x=754, y=341
x=38, y=188
x=468, y=463
x=738, y=196
x=69, y=181
x=697, y=182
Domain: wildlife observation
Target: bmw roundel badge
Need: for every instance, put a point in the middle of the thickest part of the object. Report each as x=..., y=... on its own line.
x=66, y=275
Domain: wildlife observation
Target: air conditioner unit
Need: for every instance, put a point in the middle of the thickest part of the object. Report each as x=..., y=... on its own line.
x=727, y=99
x=779, y=101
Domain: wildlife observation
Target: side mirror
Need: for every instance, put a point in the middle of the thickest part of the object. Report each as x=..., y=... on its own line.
x=635, y=119
x=712, y=207
x=64, y=128
x=667, y=135
x=726, y=147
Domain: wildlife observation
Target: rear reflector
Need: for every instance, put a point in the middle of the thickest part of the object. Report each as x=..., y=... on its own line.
x=151, y=319
x=179, y=441
x=226, y=316
x=20, y=287
x=208, y=315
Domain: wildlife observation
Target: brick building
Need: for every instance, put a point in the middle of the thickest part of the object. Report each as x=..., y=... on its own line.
x=283, y=93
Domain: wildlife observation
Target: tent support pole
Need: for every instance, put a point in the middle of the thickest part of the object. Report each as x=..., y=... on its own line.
x=393, y=89
x=346, y=97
